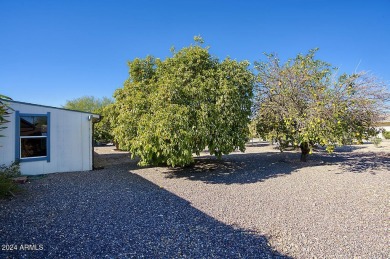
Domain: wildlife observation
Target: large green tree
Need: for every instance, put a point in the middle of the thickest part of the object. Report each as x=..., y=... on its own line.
x=304, y=103
x=169, y=109
x=102, y=130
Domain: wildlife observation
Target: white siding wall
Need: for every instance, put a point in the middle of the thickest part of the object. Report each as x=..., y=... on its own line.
x=70, y=141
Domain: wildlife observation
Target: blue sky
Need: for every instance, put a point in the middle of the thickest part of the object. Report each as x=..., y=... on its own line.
x=54, y=51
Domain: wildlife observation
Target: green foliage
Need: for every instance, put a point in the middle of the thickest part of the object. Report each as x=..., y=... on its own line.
x=4, y=111
x=252, y=129
x=87, y=103
x=91, y=104
x=300, y=103
x=7, y=186
x=13, y=170
x=386, y=134
x=376, y=141
x=103, y=130
x=170, y=109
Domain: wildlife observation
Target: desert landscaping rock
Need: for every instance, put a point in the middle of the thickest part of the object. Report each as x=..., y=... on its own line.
x=261, y=204
x=112, y=213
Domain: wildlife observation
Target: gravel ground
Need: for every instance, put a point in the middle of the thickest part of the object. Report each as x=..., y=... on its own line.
x=112, y=213
x=334, y=206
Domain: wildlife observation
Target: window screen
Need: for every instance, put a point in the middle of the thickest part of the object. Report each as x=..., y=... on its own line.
x=33, y=136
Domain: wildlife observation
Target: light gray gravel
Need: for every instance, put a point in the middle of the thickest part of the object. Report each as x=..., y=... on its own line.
x=334, y=206
x=112, y=213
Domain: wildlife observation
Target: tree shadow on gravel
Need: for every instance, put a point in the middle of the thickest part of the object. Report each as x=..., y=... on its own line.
x=243, y=168
x=360, y=162
x=342, y=149
x=257, y=167
x=116, y=214
x=257, y=144
x=239, y=168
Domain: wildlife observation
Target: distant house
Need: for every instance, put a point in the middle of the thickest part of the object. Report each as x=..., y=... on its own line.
x=384, y=124
x=47, y=139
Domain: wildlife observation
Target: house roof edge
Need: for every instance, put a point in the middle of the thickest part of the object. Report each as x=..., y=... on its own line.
x=46, y=106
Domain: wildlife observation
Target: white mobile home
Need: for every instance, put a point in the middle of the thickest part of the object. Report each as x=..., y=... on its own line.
x=47, y=139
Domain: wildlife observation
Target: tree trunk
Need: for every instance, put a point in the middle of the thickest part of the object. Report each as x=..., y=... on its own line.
x=304, y=151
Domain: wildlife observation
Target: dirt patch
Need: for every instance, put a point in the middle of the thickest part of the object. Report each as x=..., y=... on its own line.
x=107, y=156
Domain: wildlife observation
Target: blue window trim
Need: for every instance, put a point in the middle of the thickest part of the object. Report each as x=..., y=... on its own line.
x=17, y=138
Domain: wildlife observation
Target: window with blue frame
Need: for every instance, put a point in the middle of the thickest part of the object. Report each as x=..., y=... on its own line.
x=32, y=132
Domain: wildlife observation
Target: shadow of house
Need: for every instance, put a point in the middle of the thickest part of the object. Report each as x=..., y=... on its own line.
x=114, y=213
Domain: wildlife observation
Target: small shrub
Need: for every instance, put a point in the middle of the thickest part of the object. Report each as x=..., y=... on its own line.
x=7, y=185
x=386, y=134
x=10, y=171
x=376, y=141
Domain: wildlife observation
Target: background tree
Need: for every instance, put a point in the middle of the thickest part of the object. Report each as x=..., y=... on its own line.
x=253, y=130
x=303, y=103
x=102, y=130
x=87, y=103
x=170, y=109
